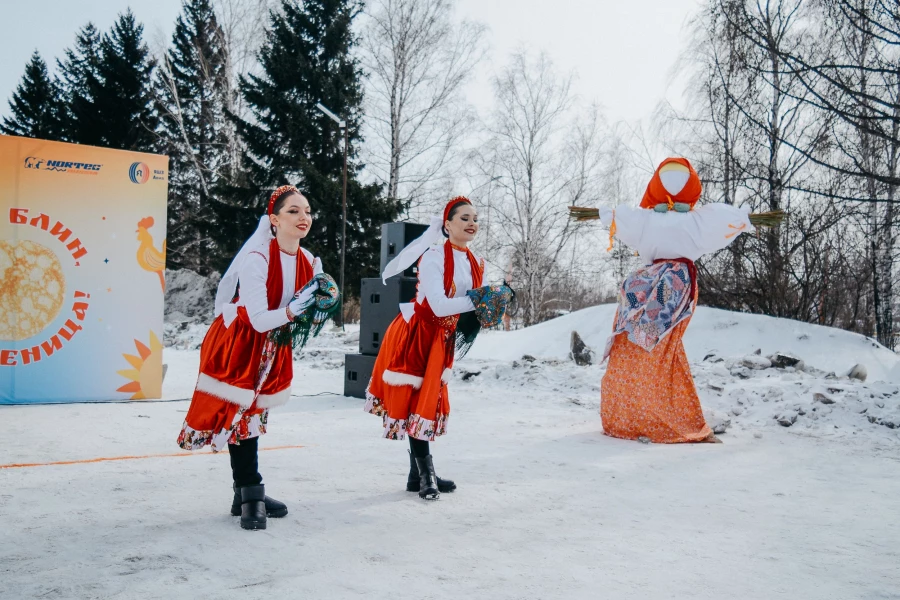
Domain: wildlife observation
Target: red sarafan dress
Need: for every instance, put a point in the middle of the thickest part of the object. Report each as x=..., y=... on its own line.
x=243, y=373
x=408, y=388
x=648, y=391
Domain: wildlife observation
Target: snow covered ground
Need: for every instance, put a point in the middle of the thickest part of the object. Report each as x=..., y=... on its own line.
x=801, y=501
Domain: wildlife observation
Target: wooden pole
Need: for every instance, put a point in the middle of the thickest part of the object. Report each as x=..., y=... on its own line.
x=344, y=223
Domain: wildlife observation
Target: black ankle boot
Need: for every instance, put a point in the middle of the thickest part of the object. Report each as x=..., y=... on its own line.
x=253, y=507
x=412, y=481
x=427, y=481
x=274, y=508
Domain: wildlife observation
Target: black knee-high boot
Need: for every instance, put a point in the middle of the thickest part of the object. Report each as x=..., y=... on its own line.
x=245, y=471
x=245, y=462
x=420, y=449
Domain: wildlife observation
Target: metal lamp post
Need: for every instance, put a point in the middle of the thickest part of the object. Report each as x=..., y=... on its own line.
x=342, y=125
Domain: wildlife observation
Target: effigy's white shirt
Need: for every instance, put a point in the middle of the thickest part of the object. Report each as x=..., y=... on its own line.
x=672, y=234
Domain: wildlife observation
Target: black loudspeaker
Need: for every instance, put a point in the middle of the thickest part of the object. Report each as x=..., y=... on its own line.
x=357, y=372
x=394, y=238
x=379, y=304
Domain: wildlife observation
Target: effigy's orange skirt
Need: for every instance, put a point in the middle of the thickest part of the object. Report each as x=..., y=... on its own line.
x=651, y=394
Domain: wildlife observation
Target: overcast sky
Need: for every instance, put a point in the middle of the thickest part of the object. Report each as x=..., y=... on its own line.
x=622, y=51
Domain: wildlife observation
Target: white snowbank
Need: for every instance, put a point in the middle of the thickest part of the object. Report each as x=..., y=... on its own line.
x=712, y=331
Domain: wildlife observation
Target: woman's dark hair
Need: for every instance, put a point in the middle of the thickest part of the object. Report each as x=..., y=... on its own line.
x=453, y=210
x=279, y=204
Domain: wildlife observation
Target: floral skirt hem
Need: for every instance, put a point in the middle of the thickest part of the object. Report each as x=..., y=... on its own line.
x=244, y=427
x=415, y=425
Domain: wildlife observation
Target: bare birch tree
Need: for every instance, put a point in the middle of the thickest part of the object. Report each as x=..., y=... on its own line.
x=542, y=160
x=243, y=24
x=857, y=83
x=419, y=61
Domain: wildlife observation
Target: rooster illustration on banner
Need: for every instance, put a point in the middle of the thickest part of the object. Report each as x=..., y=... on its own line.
x=148, y=257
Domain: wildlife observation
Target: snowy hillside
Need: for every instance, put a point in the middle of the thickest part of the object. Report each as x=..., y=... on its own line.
x=712, y=331
x=738, y=385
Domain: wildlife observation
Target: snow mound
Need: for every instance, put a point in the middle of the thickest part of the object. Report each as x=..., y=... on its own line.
x=751, y=372
x=189, y=295
x=734, y=397
x=189, y=304
x=712, y=331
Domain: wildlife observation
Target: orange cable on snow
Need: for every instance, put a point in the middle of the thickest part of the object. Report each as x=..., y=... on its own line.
x=111, y=458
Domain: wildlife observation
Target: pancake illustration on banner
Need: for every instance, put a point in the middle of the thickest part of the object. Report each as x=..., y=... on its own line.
x=32, y=289
x=145, y=374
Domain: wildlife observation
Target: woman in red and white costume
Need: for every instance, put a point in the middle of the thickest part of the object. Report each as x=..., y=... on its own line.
x=243, y=371
x=408, y=388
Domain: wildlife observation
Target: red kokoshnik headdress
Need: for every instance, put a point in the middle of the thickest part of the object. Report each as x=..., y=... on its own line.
x=278, y=194
x=454, y=202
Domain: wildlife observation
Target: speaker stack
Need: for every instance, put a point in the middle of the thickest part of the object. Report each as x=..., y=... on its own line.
x=379, y=305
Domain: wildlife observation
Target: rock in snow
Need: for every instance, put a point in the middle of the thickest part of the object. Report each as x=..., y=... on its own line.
x=716, y=421
x=783, y=361
x=756, y=362
x=858, y=372
x=741, y=372
x=820, y=397
x=787, y=419
x=190, y=296
x=581, y=353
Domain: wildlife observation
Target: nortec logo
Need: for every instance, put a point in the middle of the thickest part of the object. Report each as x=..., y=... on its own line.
x=61, y=166
x=139, y=172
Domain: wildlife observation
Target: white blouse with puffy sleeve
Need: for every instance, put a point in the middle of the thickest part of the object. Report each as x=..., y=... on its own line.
x=254, y=273
x=431, y=284
x=672, y=234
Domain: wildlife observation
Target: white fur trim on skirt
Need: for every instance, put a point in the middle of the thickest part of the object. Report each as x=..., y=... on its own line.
x=272, y=400
x=225, y=391
x=399, y=379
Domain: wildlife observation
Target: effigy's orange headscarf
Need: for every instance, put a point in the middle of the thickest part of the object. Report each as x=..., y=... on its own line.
x=656, y=193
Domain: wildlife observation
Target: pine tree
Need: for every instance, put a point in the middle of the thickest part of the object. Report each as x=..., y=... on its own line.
x=193, y=90
x=125, y=99
x=308, y=59
x=80, y=120
x=107, y=85
x=35, y=105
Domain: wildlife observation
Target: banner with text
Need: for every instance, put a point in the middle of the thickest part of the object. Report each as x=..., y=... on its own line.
x=82, y=272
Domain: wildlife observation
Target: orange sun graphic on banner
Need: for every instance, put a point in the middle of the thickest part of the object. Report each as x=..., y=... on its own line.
x=146, y=374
